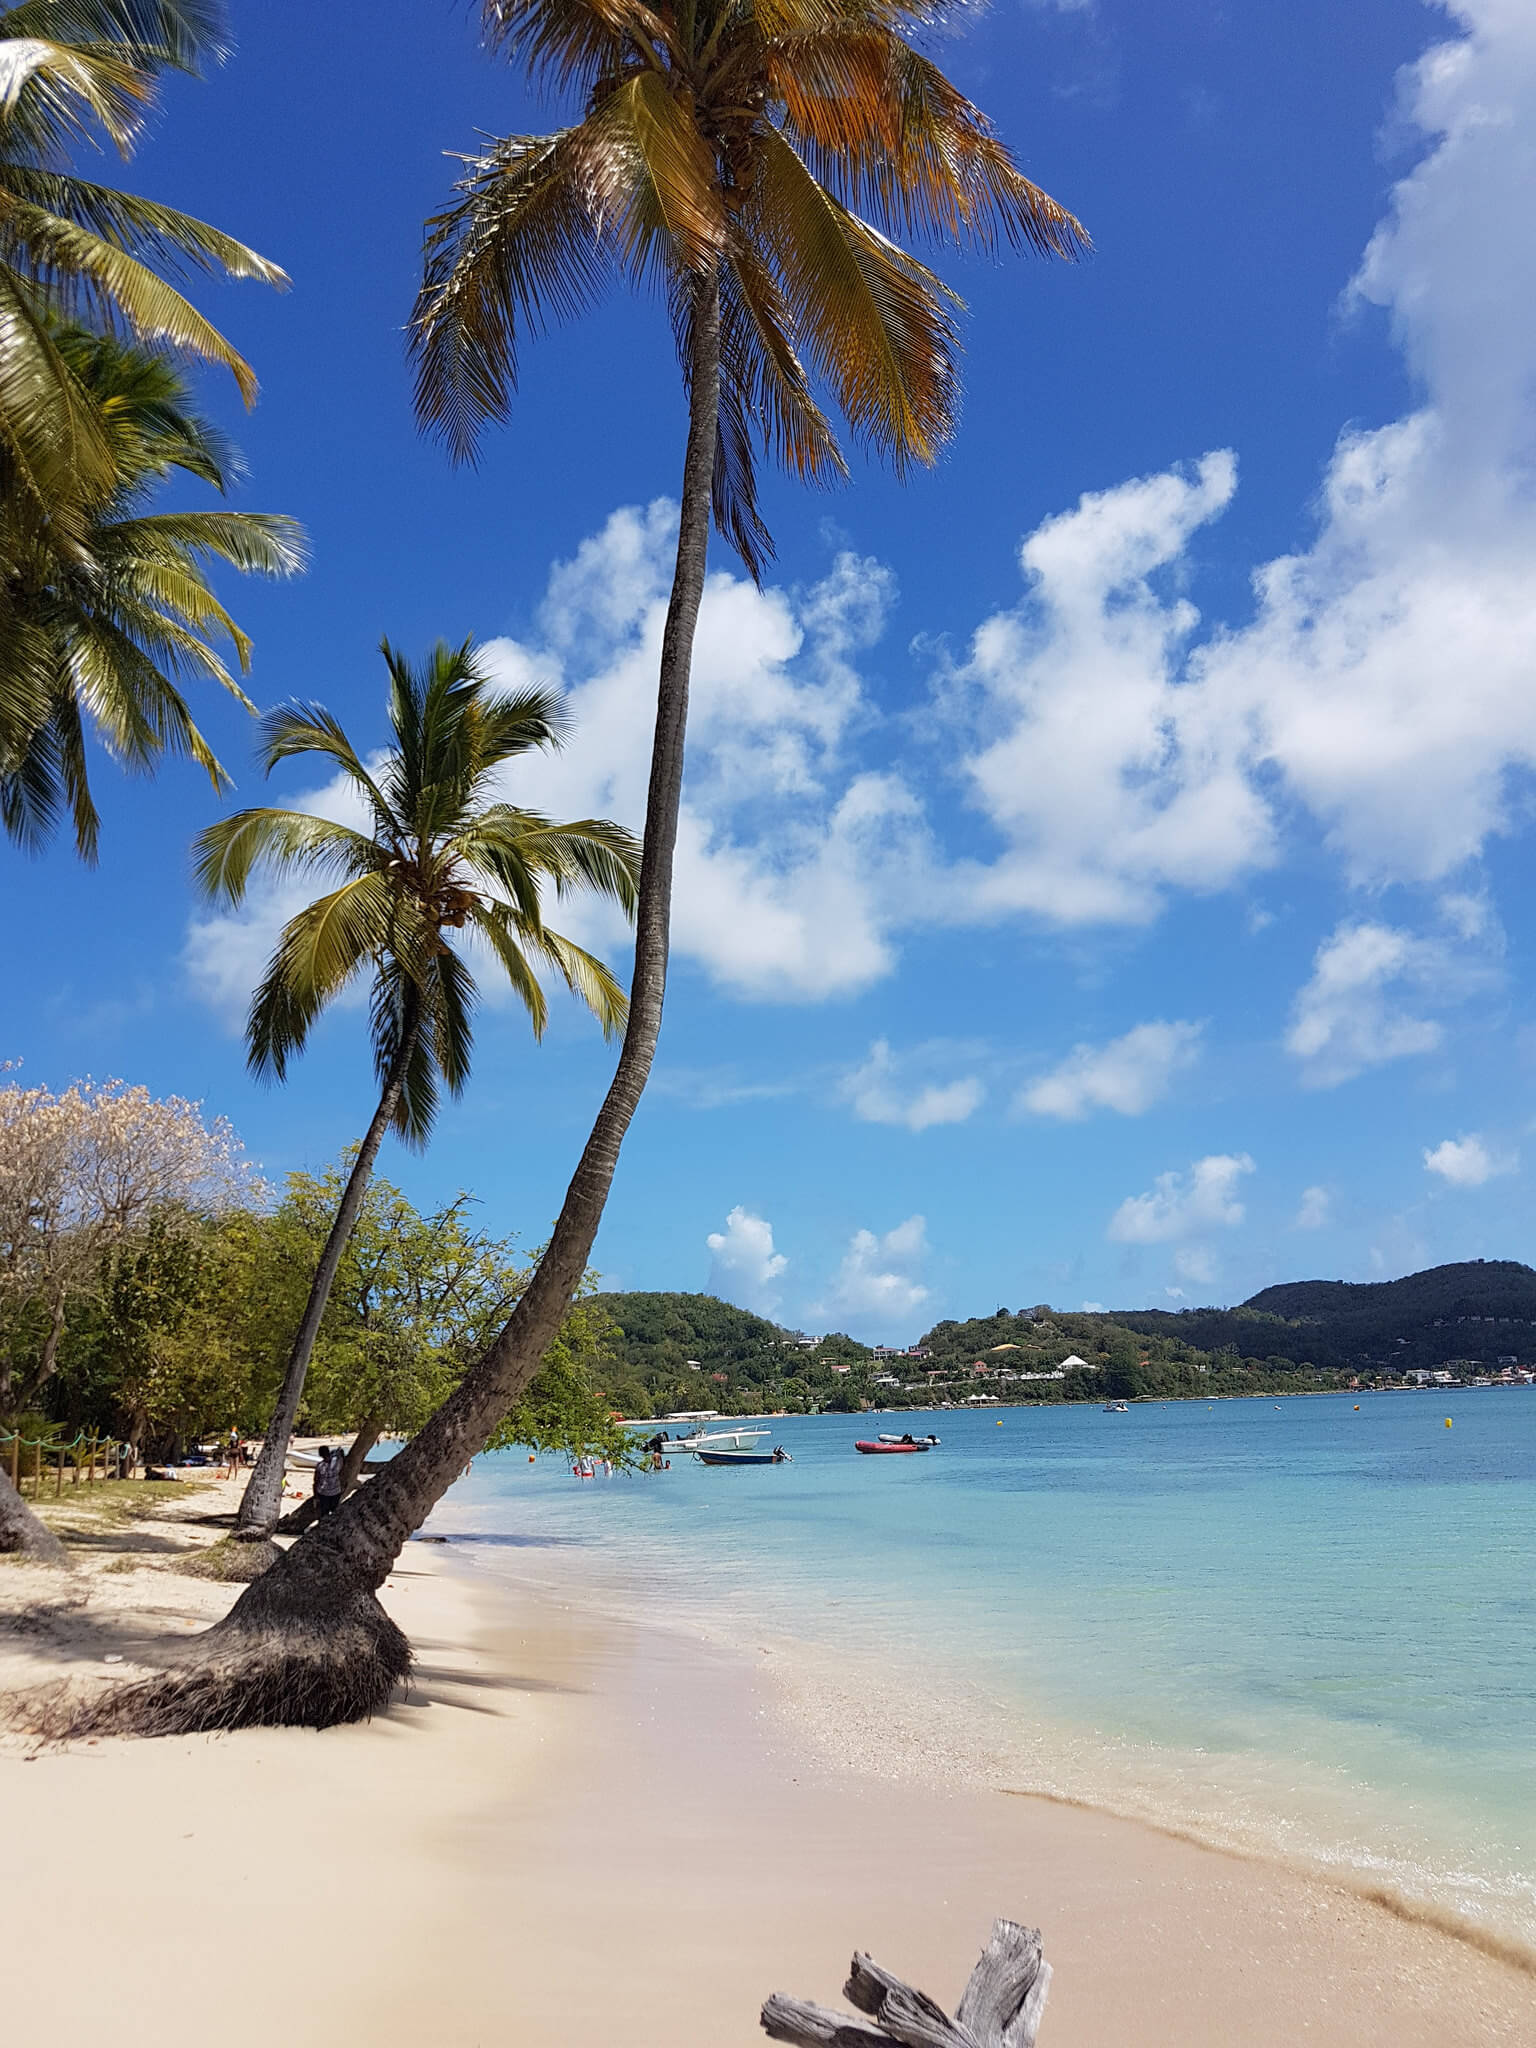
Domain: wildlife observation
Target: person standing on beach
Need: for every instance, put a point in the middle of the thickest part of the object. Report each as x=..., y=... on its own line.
x=328, y=1481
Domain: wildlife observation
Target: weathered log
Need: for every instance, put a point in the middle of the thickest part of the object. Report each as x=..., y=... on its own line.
x=1000, y=2007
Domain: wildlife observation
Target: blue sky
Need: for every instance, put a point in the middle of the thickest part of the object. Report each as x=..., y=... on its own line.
x=1103, y=856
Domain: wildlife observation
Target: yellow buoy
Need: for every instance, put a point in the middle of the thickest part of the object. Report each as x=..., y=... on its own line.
x=1447, y=1422
x=999, y=1422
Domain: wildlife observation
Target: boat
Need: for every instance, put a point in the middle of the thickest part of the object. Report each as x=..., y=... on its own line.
x=1117, y=1407
x=777, y=1456
x=929, y=1439
x=900, y=1448
x=716, y=1440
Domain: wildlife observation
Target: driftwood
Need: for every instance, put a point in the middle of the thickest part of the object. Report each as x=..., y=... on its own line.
x=999, y=2008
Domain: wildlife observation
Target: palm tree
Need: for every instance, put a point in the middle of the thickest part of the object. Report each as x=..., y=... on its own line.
x=756, y=159
x=109, y=630
x=442, y=852
x=71, y=249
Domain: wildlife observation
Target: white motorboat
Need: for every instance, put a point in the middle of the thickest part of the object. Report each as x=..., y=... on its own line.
x=718, y=1440
x=930, y=1438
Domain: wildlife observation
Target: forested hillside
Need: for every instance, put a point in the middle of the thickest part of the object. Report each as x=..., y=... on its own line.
x=695, y=1351
x=1483, y=1310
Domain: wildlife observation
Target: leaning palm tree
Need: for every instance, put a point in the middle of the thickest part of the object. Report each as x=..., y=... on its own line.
x=441, y=852
x=111, y=631
x=73, y=71
x=755, y=159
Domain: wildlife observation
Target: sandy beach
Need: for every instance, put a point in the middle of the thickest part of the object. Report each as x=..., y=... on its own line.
x=576, y=1827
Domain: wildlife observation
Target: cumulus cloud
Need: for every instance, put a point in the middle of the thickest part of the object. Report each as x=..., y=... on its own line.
x=793, y=859
x=881, y=1092
x=1467, y=1162
x=743, y=1265
x=1129, y=1074
x=1351, y=1014
x=1196, y=1263
x=877, y=1282
x=1315, y=1211
x=1182, y=1204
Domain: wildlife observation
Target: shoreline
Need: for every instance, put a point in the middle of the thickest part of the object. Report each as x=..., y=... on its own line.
x=578, y=1823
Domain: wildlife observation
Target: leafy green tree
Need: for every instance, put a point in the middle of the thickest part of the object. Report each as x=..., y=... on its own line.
x=86, y=253
x=444, y=853
x=110, y=629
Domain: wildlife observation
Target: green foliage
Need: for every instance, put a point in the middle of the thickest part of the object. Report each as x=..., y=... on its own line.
x=100, y=611
x=188, y=1329
x=442, y=853
x=1480, y=1309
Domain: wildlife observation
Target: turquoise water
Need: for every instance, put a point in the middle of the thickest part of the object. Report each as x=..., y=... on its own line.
x=1301, y=1627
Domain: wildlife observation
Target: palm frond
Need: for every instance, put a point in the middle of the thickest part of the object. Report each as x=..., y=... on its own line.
x=85, y=273
x=519, y=248
x=228, y=852
x=876, y=322
x=321, y=949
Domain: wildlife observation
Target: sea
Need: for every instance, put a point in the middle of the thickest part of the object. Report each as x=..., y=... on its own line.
x=1303, y=1628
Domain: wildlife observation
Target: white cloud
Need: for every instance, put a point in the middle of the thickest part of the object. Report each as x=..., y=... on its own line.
x=1315, y=1211
x=1196, y=1263
x=1346, y=1017
x=1467, y=1162
x=744, y=1267
x=1128, y=1074
x=877, y=1094
x=794, y=863
x=1385, y=681
x=1093, y=1308
x=877, y=1283
x=1180, y=1204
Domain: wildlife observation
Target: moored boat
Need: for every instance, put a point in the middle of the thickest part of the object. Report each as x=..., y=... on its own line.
x=899, y=1449
x=929, y=1440
x=777, y=1456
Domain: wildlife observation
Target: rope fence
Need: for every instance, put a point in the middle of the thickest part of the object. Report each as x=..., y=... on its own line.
x=107, y=1449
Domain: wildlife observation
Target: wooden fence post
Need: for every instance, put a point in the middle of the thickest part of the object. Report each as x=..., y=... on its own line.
x=37, y=1470
x=58, y=1474
x=1000, y=2007
x=15, y=1457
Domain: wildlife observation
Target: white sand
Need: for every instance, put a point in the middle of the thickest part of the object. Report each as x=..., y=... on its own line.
x=579, y=1832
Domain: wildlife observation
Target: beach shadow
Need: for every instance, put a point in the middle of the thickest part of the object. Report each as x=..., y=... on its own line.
x=138, y=1541
x=506, y=1539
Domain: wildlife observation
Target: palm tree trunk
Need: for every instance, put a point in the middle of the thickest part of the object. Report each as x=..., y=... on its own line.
x=22, y=1533
x=307, y=1643
x=263, y=1494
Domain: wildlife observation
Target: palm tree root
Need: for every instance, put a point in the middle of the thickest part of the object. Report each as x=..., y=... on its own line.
x=304, y=1647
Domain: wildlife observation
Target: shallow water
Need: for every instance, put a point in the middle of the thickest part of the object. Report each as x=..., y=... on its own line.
x=1303, y=1627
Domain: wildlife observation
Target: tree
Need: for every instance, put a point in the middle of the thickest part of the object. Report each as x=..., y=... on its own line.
x=722, y=148
x=114, y=625
x=80, y=1172
x=72, y=250
x=444, y=853
x=415, y=1301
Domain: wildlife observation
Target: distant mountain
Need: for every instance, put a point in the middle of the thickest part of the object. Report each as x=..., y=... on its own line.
x=1483, y=1309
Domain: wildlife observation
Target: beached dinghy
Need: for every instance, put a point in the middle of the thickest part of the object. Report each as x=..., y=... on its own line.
x=898, y=1449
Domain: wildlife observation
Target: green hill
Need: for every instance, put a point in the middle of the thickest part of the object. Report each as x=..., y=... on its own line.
x=1483, y=1310
x=674, y=1351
